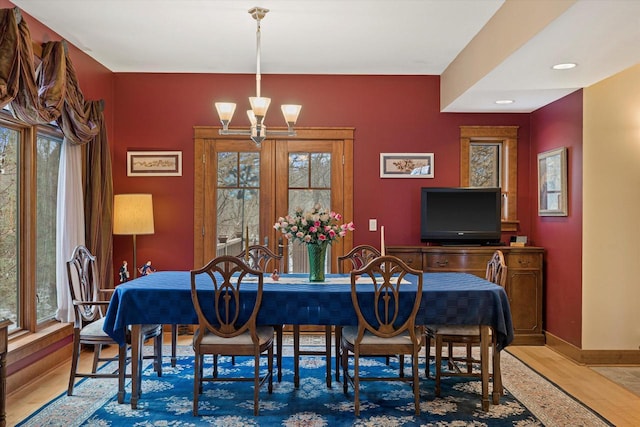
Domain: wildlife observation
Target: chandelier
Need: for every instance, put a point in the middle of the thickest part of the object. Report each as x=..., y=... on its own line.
x=259, y=104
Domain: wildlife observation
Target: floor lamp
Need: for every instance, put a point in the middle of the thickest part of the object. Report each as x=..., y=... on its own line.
x=133, y=215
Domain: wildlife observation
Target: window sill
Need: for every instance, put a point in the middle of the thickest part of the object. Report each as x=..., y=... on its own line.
x=23, y=345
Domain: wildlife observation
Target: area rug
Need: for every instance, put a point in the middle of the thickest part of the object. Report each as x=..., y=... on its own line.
x=529, y=400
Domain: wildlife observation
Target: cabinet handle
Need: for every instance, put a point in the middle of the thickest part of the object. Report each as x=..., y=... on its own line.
x=442, y=263
x=523, y=262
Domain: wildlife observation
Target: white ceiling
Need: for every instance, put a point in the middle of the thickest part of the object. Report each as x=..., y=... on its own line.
x=393, y=37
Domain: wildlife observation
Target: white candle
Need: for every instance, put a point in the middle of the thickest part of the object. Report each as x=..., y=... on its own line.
x=382, y=250
x=246, y=243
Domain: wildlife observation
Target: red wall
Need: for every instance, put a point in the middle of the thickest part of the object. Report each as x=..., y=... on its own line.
x=560, y=125
x=389, y=114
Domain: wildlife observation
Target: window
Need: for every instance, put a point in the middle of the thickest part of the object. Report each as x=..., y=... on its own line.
x=29, y=161
x=489, y=158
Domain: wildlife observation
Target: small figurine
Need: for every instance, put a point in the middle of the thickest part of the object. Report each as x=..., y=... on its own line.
x=124, y=273
x=146, y=269
x=275, y=276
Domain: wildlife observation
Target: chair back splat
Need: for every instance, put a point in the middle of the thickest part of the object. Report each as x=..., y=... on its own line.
x=263, y=259
x=359, y=257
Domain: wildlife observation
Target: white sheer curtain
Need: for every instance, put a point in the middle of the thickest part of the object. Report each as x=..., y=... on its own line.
x=70, y=222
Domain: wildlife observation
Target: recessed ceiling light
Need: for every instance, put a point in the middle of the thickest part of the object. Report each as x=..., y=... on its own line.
x=565, y=66
x=504, y=101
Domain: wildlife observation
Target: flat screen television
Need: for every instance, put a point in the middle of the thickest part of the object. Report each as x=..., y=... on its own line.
x=460, y=216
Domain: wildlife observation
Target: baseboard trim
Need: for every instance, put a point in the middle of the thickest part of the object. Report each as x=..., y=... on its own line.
x=592, y=357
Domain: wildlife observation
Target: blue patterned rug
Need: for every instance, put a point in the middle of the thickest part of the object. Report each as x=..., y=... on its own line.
x=167, y=401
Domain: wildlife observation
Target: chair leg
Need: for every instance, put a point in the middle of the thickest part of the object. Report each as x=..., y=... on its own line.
x=469, y=360
x=74, y=365
x=356, y=383
x=174, y=344
x=338, y=335
x=279, y=335
x=427, y=371
x=416, y=382
x=122, y=367
x=344, y=355
x=97, y=349
x=256, y=384
x=497, y=376
x=438, y=363
x=327, y=342
x=158, y=354
x=201, y=372
x=196, y=383
x=401, y=360
x=270, y=367
x=296, y=356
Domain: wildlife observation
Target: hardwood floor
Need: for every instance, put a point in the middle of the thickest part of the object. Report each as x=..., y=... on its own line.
x=615, y=403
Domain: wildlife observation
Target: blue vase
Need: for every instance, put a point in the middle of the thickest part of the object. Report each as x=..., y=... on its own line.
x=317, y=256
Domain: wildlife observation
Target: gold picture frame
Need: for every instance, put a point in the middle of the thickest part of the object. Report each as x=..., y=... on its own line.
x=154, y=163
x=406, y=165
x=552, y=183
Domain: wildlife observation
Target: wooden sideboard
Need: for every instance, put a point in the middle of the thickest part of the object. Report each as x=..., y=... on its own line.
x=524, y=278
x=4, y=335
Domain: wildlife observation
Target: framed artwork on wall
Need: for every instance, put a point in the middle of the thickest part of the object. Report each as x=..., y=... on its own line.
x=552, y=183
x=406, y=165
x=154, y=163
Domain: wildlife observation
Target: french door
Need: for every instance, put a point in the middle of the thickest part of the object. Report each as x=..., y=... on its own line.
x=241, y=189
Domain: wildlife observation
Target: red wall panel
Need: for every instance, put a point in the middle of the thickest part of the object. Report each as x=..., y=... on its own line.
x=560, y=125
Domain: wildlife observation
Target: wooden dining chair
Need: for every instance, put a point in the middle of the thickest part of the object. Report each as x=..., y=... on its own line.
x=89, y=303
x=355, y=259
x=263, y=259
x=385, y=326
x=222, y=331
x=469, y=336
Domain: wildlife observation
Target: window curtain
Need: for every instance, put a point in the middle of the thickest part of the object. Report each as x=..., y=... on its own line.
x=99, y=196
x=69, y=223
x=52, y=93
x=9, y=55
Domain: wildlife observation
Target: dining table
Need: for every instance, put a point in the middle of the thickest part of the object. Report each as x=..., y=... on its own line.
x=447, y=298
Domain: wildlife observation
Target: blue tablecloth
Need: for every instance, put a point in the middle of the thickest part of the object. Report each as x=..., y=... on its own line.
x=447, y=298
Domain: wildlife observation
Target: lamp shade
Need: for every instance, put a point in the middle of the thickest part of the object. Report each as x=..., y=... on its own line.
x=133, y=214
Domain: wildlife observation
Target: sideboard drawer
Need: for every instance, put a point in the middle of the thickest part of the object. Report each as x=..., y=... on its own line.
x=412, y=259
x=455, y=262
x=523, y=260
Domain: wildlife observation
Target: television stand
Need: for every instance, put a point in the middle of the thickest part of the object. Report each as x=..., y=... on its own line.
x=524, y=278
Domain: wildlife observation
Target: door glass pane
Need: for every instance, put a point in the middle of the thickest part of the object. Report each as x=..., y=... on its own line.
x=321, y=170
x=47, y=164
x=238, y=201
x=484, y=165
x=9, y=191
x=298, y=170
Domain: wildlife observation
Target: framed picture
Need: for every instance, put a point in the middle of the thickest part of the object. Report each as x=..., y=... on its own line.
x=552, y=183
x=406, y=165
x=154, y=163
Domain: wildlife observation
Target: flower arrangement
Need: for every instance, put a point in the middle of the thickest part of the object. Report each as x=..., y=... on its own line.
x=316, y=226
